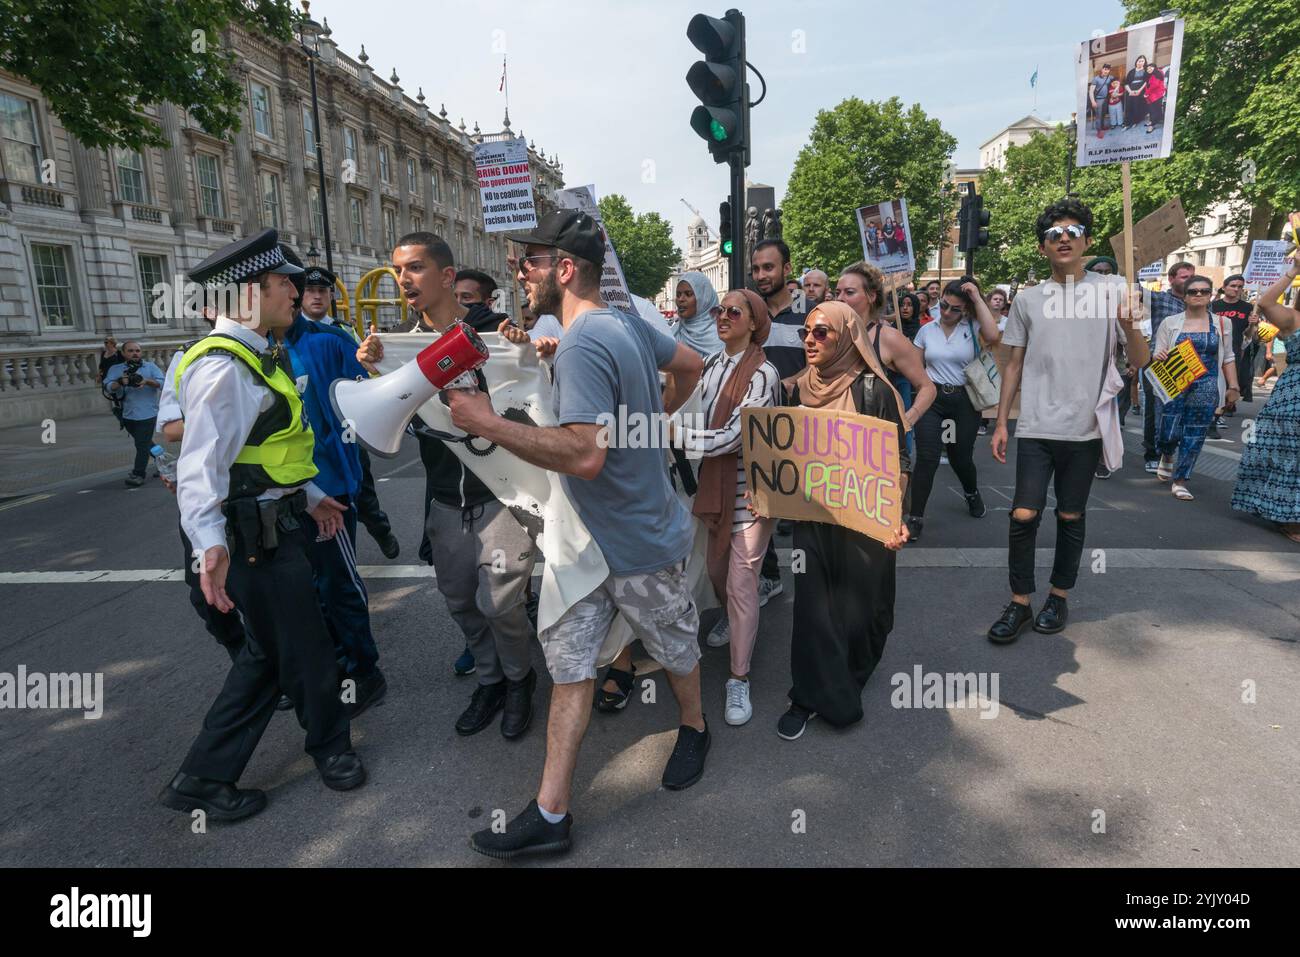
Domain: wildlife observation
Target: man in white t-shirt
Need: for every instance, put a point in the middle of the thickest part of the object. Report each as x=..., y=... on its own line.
x=1058, y=331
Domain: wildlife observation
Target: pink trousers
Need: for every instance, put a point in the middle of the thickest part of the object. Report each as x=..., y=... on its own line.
x=740, y=566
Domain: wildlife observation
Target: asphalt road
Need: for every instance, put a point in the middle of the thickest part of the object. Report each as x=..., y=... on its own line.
x=1124, y=741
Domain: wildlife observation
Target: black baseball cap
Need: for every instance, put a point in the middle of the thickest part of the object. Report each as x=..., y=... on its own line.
x=567, y=229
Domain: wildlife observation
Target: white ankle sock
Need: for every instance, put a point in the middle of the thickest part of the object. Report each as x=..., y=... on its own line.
x=550, y=818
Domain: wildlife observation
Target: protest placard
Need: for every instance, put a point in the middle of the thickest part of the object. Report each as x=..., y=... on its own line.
x=613, y=285
x=1126, y=88
x=817, y=465
x=1267, y=261
x=1152, y=270
x=505, y=185
x=1155, y=236
x=1171, y=376
x=886, y=237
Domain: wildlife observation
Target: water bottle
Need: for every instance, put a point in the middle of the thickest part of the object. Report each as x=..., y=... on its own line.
x=165, y=461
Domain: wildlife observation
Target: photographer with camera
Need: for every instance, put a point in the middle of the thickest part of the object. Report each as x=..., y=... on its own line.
x=134, y=387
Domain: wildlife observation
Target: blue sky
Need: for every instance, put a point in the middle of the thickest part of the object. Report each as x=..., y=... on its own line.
x=603, y=83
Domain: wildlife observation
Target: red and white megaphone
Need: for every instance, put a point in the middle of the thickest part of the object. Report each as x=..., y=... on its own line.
x=378, y=410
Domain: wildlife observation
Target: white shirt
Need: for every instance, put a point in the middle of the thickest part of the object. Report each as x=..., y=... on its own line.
x=763, y=392
x=169, y=409
x=946, y=357
x=220, y=399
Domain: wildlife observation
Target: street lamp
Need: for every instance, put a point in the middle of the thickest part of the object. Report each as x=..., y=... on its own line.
x=313, y=253
x=309, y=30
x=1071, y=142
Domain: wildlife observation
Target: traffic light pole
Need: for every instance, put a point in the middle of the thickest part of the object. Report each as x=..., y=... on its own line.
x=739, y=254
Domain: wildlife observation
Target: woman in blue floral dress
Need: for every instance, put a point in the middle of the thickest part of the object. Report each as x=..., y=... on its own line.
x=1268, y=479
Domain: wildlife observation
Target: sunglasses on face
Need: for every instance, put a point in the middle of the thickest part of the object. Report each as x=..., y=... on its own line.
x=1198, y=291
x=949, y=307
x=1074, y=230
x=526, y=262
x=731, y=312
x=817, y=332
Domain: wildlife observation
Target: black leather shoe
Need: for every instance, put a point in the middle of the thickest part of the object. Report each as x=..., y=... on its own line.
x=342, y=772
x=518, y=706
x=1008, y=628
x=370, y=689
x=1053, y=617
x=285, y=703
x=389, y=545
x=483, y=706
x=686, y=764
x=219, y=800
x=529, y=833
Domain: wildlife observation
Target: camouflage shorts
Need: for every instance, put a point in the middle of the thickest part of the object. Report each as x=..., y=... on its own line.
x=658, y=607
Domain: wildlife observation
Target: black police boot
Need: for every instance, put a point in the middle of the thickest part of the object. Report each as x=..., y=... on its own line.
x=342, y=772
x=483, y=706
x=1008, y=628
x=219, y=800
x=1053, y=617
x=370, y=689
x=518, y=706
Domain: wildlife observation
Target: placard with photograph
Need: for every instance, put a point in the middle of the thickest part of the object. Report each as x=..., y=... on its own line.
x=886, y=237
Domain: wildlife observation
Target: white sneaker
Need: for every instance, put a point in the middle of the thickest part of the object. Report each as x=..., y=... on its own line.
x=721, y=633
x=739, y=709
x=768, y=589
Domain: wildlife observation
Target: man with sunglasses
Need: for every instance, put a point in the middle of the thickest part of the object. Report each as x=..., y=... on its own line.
x=1058, y=332
x=606, y=365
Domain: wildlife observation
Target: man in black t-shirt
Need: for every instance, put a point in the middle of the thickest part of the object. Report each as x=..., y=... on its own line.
x=1245, y=321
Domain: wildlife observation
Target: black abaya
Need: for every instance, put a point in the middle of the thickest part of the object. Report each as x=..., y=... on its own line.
x=844, y=597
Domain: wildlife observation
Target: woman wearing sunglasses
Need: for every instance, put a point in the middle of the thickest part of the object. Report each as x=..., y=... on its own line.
x=736, y=377
x=1268, y=479
x=947, y=346
x=1185, y=421
x=844, y=599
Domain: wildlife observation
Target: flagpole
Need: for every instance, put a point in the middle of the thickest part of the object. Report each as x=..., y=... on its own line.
x=1036, y=87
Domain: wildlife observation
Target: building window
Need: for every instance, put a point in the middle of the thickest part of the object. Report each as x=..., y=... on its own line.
x=1212, y=257
x=317, y=211
x=358, y=221
x=417, y=224
x=385, y=173
x=478, y=251
x=1222, y=223
x=437, y=187
x=308, y=131
x=459, y=249
x=1200, y=257
x=261, y=110
x=455, y=194
x=270, y=201
x=350, y=146
x=152, y=271
x=130, y=176
x=53, y=288
x=412, y=181
x=390, y=228
x=21, y=146
x=211, y=200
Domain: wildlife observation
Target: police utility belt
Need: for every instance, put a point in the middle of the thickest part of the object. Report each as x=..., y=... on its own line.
x=253, y=526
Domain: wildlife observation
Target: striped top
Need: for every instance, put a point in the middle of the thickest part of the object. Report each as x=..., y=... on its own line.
x=763, y=392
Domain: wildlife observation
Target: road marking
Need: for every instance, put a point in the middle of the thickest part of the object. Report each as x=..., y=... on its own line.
x=24, y=501
x=1160, y=559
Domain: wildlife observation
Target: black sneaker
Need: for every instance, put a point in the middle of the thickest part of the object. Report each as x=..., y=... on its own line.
x=518, y=706
x=976, y=505
x=1151, y=465
x=914, y=528
x=389, y=545
x=1053, y=617
x=529, y=833
x=134, y=481
x=793, y=722
x=686, y=765
x=1008, y=628
x=483, y=706
x=1102, y=472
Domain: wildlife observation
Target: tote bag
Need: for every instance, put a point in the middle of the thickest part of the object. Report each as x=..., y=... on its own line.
x=983, y=382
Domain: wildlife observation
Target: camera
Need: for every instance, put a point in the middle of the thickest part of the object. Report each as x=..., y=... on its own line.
x=132, y=374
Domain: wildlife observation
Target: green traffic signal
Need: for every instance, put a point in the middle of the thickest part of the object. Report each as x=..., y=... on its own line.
x=718, y=130
x=726, y=248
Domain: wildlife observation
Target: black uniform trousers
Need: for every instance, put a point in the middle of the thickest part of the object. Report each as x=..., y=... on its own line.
x=288, y=649
x=225, y=626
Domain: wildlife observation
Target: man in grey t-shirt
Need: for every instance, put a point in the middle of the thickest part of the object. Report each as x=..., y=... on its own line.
x=606, y=373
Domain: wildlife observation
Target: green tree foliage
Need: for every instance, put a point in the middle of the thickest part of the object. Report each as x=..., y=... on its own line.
x=99, y=63
x=644, y=243
x=1238, y=124
x=861, y=153
x=1034, y=177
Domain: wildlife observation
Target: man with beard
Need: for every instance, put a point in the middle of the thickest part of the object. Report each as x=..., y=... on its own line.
x=1159, y=307
x=606, y=365
x=482, y=556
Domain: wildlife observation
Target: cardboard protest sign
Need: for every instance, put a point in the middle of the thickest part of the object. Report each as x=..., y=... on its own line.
x=1267, y=262
x=1157, y=235
x=886, y=237
x=1152, y=270
x=1171, y=377
x=613, y=285
x=505, y=185
x=816, y=465
x=1126, y=92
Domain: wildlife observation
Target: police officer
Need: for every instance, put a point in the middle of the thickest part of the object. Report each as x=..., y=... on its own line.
x=243, y=481
x=317, y=298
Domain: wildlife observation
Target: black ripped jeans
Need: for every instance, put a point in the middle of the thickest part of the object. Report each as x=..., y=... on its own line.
x=1070, y=467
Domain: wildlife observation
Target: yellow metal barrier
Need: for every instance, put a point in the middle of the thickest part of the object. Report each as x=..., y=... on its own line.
x=368, y=303
x=342, y=304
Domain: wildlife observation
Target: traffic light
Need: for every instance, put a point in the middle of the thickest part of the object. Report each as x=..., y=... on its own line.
x=724, y=227
x=719, y=81
x=974, y=221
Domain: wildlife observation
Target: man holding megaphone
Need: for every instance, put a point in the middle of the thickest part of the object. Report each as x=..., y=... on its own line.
x=482, y=556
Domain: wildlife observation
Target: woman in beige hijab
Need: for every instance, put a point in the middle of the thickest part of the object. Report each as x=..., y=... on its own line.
x=844, y=597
